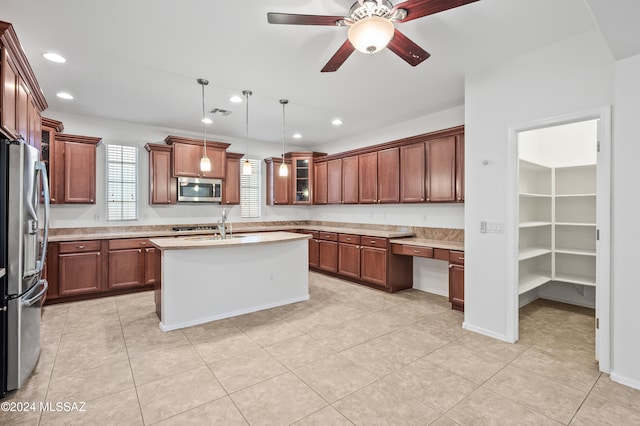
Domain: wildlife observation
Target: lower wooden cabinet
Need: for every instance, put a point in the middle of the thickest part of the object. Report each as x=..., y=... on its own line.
x=79, y=267
x=349, y=255
x=328, y=251
x=374, y=261
x=456, y=280
x=86, y=269
x=314, y=247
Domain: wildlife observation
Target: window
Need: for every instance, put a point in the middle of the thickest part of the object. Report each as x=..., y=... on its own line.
x=250, y=191
x=122, y=185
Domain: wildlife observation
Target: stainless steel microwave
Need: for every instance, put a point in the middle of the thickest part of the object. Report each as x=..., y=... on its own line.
x=198, y=190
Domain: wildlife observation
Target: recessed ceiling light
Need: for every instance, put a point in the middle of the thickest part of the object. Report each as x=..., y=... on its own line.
x=54, y=57
x=64, y=95
x=336, y=122
x=207, y=120
x=297, y=136
x=235, y=99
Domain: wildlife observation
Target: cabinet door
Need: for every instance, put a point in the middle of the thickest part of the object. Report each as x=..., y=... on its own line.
x=186, y=160
x=22, y=110
x=460, y=168
x=412, y=173
x=314, y=253
x=35, y=126
x=349, y=260
x=441, y=169
x=218, y=158
x=9, y=89
x=79, y=273
x=126, y=268
x=320, y=183
x=281, y=187
x=456, y=286
x=368, y=178
x=334, y=182
x=328, y=256
x=163, y=188
x=79, y=173
x=302, y=180
x=350, y=182
x=150, y=269
x=231, y=192
x=373, y=265
x=389, y=175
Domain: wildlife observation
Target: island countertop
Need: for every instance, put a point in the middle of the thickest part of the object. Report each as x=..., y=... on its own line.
x=204, y=241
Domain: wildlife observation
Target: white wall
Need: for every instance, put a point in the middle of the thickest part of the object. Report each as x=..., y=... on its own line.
x=572, y=75
x=625, y=365
x=133, y=134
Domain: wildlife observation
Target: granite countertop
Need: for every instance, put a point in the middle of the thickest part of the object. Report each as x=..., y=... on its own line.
x=237, y=229
x=424, y=242
x=2, y=272
x=204, y=242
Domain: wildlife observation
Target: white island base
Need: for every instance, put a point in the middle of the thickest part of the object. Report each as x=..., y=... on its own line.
x=206, y=280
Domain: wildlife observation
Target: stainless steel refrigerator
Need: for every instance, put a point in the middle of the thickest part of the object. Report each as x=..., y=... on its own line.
x=24, y=224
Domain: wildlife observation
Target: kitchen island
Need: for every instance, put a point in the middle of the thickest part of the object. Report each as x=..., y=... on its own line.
x=204, y=279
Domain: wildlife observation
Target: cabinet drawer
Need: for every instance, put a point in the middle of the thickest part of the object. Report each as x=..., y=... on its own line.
x=441, y=254
x=456, y=257
x=349, y=238
x=373, y=242
x=79, y=246
x=409, y=250
x=314, y=234
x=129, y=243
x=329, y=236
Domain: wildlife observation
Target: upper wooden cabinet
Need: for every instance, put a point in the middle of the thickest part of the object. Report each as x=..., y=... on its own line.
x=368, y=178
x=350, y=180
x=320, y=185
x=49, y=129
x=75, y=169
x=442, y=165
x=187, y=153
x=162, y=186
x=389, y=175
x=231, y=184
x=278, y=187
x=334, y=181
x=412, y=175
x=21, y=98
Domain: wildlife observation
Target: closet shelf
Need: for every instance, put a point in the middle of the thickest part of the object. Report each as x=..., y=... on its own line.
x=575, y=195
x=576, y=224
x=529, y=282
x=533, y=195
x=577, y=252
x=575, y=279
x=529, y=253
x=534, y=224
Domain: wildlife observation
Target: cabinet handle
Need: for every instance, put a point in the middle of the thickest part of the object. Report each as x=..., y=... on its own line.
x=91, y=200
x=421, y=199
x=139, y=250
x=80, y=247
x=416, y=251
x=53, y=200
x=428, y=199
x=459, y=198
x=450, y=266
x=372, y=242
x=143, y=243
x=98, y=254
x=348, y=239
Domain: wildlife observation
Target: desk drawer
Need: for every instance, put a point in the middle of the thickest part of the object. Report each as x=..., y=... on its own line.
x=409, y=250
x=129, y=243
x=373, y=242
x=79, y=246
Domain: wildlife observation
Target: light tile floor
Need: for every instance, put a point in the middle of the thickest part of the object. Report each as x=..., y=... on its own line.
x=350, y=355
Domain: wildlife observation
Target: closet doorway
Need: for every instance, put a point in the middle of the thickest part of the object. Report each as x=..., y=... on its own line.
x=563, y=192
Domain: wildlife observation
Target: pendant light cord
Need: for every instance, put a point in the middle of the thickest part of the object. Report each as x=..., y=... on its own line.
x=204, y=125
x=284, y=128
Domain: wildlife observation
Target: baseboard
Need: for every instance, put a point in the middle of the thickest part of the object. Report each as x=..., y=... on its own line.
x=632, y=383
x=485, y=332
x=568, y=301
x=528, y=297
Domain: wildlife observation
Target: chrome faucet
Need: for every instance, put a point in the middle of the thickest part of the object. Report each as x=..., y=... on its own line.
x=222, y=225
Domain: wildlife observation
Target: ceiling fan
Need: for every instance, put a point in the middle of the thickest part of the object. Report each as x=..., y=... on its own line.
x=371, y=27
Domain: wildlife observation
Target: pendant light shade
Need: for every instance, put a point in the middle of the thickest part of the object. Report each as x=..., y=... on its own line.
x=284, y=170
x=246, y=166
x=205, y=163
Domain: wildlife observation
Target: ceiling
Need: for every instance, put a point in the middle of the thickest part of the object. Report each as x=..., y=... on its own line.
x=139, y=60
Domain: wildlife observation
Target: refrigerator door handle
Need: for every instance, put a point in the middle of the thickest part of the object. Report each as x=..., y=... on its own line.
x=42, y=168
x=31, y=300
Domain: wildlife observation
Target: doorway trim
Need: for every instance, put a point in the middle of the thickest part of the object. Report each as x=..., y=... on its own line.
x=603, y=216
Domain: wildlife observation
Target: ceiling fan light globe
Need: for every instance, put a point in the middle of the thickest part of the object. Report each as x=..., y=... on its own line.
x=371, y=35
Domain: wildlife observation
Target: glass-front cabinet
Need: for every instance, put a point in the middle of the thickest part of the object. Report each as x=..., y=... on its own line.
x=302, y=185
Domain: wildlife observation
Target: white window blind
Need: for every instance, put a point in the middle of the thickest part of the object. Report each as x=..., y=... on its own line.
x=122, y=185
x=250, y=191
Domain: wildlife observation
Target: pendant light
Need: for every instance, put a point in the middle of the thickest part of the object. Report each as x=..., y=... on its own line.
x=246, y=166
x=205, y=163
x=284, y=170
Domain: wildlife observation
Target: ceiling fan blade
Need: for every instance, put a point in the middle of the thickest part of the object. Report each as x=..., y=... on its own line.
x=419, y=8
x=292, y=19
x=339, y=57
x=406, y=49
